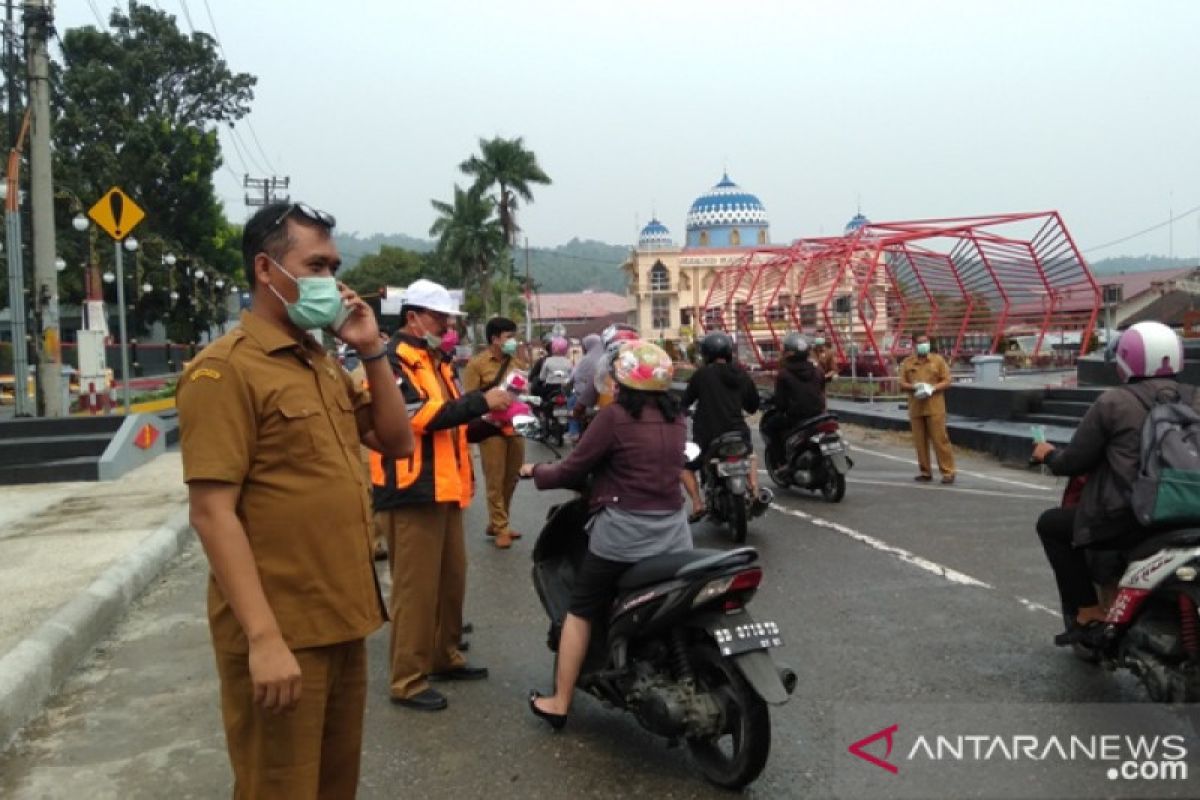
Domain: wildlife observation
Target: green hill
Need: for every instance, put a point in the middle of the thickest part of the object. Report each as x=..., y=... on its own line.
x=1146, y=263
x=570, y=267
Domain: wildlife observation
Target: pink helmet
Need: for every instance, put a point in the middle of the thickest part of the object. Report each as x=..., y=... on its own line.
x=559, y=346
x=1147, y=350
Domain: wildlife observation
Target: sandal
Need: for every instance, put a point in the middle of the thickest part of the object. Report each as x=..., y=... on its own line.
x=555, y=721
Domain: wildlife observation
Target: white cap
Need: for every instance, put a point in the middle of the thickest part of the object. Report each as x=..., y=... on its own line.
x=433, y=296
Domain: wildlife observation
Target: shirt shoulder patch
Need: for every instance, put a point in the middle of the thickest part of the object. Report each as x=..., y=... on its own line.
x=204, y=372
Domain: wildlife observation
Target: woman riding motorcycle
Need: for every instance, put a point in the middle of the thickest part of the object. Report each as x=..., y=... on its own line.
x=799, y=395
x=721, y=391
x=634, y=452
x=1083, y=542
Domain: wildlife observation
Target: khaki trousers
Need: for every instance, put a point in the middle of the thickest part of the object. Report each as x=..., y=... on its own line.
x=501, y=458
x=311, y=752
x=428, y=562
x=932, y=429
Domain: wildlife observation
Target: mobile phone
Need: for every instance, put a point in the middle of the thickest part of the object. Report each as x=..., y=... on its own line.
x=1038, y=432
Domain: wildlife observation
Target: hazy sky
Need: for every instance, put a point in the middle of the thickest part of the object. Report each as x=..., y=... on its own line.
x=919, y=109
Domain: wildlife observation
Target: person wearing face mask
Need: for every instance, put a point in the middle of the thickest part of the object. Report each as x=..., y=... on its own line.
x=926, y=377
x=419, y=503
x=823, y=357
x=270, y=426
x=499, y=456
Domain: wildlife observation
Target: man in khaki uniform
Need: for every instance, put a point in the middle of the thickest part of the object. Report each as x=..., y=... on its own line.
x=270, y=430
x=823, y=357
x=927, y=414
x=500, y=456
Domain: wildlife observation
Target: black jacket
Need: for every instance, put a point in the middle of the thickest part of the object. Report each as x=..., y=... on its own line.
x=799, y=389
x=1106, y=447
x=720, y=392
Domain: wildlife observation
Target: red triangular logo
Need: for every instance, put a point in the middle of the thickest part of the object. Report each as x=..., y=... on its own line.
x=886, y=733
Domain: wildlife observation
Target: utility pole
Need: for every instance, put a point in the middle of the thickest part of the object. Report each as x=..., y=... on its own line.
x=268, y=188
x=528, y=299
x=39, y=20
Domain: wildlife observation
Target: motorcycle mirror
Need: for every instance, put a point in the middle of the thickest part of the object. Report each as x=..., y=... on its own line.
x=691, y=451
x=525, y=424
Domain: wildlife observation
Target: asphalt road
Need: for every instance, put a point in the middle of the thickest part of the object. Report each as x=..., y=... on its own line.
x=918, y=596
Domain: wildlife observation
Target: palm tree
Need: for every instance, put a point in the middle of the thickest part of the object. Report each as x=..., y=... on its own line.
x=508, y=166
x=470, y=239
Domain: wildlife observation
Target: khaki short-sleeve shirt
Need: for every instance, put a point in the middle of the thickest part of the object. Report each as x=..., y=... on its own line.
x=932, y=370
x=282, y=420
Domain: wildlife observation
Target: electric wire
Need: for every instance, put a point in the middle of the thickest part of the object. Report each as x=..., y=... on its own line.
x=187, y=15
x=1144, y=231
x=244, y=148
x=96, y=13
x=238, y=152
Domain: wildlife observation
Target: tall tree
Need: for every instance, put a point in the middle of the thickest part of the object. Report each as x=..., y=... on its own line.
x=137, y=106
x=470, y=240
x=395, y=266
x=507, y=167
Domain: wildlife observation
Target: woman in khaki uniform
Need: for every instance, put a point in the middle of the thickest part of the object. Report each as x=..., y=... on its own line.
x=927, y=413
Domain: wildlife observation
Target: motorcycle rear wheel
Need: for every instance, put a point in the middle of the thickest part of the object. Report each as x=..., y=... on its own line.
x=736, y=755
x=738, y=518
x=834, y=487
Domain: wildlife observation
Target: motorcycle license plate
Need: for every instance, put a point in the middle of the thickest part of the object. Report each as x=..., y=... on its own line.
x=744, y=638
x=727, y=468
x=831, y=448
x=561, y=413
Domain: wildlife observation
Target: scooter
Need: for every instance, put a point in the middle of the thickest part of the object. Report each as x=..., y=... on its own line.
x=724, y=477
x=553, y=414
x=679, y=649
x=1153, y=628
x=816, y=457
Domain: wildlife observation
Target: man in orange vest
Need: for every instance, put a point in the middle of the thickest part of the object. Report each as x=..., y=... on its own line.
x=419, y=504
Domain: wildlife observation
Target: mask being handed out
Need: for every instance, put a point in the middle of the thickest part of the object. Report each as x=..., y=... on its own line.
x=319, y=303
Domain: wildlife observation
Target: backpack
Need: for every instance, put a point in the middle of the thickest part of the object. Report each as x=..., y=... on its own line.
x=1166, y=491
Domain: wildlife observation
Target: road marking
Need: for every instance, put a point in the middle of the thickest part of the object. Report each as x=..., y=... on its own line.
x=928, y=488
x=950, y=574
x=984, y=475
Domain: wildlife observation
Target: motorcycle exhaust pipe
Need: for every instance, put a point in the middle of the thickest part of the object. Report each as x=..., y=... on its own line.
x=762, y=501
x=788, y=677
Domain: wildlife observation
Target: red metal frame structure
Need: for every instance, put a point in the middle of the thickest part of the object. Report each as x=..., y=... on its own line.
x=967, y=282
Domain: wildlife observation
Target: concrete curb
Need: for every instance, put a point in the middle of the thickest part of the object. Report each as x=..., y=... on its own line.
x=33, y=670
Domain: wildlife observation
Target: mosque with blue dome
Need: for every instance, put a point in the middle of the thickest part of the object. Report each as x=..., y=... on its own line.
x=668, y=282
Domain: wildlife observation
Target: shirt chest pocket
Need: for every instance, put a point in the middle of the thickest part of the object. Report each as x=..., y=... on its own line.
x=297, y=429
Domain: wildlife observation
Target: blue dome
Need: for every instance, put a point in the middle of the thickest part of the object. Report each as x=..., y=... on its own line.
x=856, y=222
x=728, y=216
x=654, y=235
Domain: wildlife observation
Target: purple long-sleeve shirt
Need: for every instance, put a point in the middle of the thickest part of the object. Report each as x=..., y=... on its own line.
x=635, y=463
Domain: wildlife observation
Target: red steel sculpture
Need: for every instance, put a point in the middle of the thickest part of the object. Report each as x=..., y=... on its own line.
x=967, y=283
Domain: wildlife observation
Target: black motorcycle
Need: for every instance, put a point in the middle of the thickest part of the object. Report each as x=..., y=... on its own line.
x=815, y=456
x=553, y=414
x=678, y=650
x=724, y=479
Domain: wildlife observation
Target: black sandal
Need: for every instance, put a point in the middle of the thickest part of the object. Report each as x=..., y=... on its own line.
x=555, y=721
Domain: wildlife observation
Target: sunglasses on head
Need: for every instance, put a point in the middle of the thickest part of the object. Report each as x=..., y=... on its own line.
x=323, y=218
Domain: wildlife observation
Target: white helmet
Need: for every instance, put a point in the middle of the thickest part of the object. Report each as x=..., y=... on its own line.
x=1147, y=350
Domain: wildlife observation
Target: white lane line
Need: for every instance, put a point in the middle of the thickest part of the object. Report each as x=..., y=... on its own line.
x=984, y=475
x=952, y=575
x=963, y=489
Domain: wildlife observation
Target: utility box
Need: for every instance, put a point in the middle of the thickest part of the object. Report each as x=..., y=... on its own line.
x=93, y=366
x=987, y=368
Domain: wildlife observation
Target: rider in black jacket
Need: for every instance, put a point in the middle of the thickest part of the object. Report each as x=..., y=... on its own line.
x=799, y=394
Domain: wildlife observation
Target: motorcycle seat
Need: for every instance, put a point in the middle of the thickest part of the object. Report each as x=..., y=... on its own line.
x=1181, y=537
x=818, y=419
x=657, y=569
x=728, y=444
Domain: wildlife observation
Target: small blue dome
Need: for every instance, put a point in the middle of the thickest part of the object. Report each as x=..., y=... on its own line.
x=726, y=216
x=654, y=236
x=856, y=222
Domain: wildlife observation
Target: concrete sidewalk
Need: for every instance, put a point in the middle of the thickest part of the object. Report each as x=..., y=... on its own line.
x=72, y=558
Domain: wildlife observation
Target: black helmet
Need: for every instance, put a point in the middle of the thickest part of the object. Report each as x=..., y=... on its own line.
x=717, y=344
x=795, y=343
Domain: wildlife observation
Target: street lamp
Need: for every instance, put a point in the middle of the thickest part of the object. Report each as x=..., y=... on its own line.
x=60, y=263
x=109, y=277
x=79, y=223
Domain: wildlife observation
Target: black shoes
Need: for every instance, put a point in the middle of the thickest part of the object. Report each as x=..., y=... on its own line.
x=428, y=700
x=1090, y=635
x=555, y=721
x=463, y=673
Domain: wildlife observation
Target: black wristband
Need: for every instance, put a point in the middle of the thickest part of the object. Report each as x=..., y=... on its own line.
x=368, y=359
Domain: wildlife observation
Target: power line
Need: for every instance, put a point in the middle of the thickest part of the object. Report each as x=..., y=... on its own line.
x=258, y=144
x=1144, y=231
x=242, y=148
x=96, y=13
x=187, y=15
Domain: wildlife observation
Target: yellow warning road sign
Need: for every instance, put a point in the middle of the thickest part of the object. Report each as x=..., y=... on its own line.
x=116, y=213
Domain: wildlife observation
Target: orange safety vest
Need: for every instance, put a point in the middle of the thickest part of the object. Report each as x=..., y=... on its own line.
x=439, y=470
